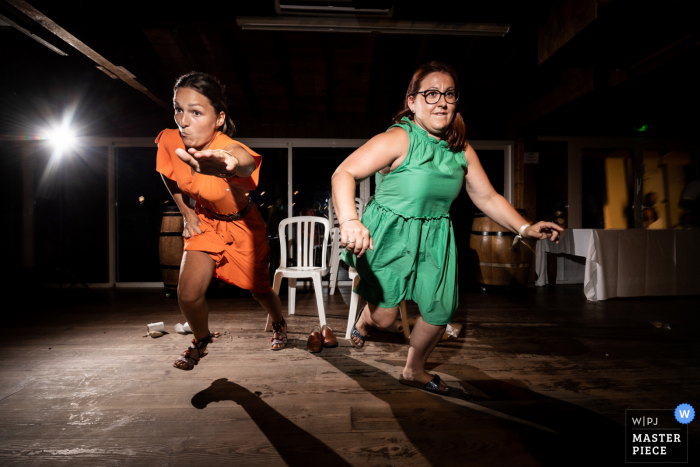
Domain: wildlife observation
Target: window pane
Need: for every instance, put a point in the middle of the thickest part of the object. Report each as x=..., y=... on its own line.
x=552, y=182
x=492, y=162
x=607, y=189
x=11, y=176
x=313, y=169
x=141, y=197
x=71, y=214
x=667, y=174
x=271, y=195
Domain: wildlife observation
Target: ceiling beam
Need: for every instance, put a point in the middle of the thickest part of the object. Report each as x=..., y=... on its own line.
x=485, y=96
x=228, y=38
x=465, y=55
x=566, y=19
x=7, y=21
x=423, y=51
x=70, y=39
x=329, y=58
x=188, y=58
x=579, y=83
x=669, y=53
x=286, y=72
x=377, y=43
x=370, y=25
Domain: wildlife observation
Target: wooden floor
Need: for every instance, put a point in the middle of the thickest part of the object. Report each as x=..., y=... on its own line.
x=539, y=378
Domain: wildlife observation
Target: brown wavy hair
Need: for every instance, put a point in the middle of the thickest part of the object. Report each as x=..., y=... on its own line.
x=212, y=89
x=456, y=134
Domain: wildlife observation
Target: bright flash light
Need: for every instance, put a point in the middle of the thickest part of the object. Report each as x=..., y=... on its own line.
x=141, y=199
x=61, y=138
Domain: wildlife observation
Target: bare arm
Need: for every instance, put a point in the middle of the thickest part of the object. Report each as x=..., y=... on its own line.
x=217, y=161
x=190, y=217
x=381, y=151
x=497, y=207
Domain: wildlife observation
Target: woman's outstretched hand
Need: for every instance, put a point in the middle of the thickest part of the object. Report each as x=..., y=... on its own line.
x=355, y=237
x=209, y=161
x=543, y=230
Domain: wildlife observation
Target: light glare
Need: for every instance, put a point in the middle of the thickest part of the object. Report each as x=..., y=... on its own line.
x=61, y=138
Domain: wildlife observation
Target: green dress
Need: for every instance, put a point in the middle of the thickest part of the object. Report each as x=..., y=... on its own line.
x=414, y=255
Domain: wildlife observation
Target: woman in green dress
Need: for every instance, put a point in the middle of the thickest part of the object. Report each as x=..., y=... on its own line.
x=404, y=247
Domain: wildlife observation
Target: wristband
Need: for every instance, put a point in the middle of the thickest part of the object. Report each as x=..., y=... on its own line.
x=522, y=229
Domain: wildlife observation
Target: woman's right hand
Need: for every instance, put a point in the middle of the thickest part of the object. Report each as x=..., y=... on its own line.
x=355, y=237
x=192, y=222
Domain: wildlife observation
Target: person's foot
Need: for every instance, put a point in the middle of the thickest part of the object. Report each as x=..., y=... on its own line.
x=192, y=355
x=423, y=378
x=279, y=336
x=362, y=328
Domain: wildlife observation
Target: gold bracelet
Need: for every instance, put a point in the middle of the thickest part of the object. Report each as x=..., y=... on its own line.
x=352, y=219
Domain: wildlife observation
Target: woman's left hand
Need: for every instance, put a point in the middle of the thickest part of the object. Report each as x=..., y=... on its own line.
x=543, y=230
x=209, y=161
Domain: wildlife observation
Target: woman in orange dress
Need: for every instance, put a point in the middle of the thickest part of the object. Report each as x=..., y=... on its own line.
x=225, y=235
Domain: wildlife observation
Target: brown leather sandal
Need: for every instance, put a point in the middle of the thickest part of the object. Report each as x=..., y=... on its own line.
x=193, y=355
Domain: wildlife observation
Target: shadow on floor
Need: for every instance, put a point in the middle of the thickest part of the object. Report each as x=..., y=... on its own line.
x=296, y=446
x=448, y=431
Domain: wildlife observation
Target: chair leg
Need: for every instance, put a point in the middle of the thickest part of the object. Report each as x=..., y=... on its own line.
x=276, y=284
x=354, y=305
x=318, y=288
x=335, y=266
x=404, y=321
x=292, y=294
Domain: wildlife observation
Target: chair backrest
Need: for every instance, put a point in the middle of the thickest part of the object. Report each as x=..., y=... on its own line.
x=305, y=226
x=359, y=205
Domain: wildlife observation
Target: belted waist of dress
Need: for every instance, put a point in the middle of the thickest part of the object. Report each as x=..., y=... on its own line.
x=407, y=216
x=230, y=217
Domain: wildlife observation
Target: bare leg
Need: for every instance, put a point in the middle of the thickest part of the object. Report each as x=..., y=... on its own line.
x=372, y=315
x=195, y=275
x=424, y=338
x=270, y=301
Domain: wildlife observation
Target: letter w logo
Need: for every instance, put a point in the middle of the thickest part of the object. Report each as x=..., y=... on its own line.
x=684, y=413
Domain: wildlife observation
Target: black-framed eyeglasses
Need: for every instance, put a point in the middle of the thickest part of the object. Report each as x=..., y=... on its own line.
x=433, y=96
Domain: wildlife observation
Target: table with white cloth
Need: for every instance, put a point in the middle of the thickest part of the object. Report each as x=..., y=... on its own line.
x=638, y=262
x=571, y=254
x=626, y=263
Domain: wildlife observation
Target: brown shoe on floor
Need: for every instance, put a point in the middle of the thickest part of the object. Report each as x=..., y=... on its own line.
x=315, y=342
x=329, y=340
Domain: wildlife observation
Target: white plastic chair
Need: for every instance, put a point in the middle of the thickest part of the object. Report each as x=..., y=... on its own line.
x=336, y=248
x=305, y=268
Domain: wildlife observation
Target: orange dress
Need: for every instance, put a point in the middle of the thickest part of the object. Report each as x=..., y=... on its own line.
x=239, y=248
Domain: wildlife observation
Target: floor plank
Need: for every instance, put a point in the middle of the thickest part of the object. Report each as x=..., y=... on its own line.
x=537, y=377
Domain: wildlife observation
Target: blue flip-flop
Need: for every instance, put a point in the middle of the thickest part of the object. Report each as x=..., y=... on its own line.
x=431, y=386
x=357, y=334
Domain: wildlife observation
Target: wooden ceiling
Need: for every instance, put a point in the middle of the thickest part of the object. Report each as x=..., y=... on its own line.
x=565, y=66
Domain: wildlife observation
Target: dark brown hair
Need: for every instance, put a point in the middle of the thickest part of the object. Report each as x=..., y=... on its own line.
x=456, y=134
x=212, y=89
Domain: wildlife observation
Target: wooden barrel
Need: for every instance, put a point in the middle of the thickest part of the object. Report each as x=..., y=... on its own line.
x=494, y=258
x=171, y=246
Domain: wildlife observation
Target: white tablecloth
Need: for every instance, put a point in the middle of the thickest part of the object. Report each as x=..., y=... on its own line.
x=573, y=242
x=636, y=262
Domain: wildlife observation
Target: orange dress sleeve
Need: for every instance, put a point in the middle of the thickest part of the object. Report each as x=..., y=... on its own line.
x=250, y=182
